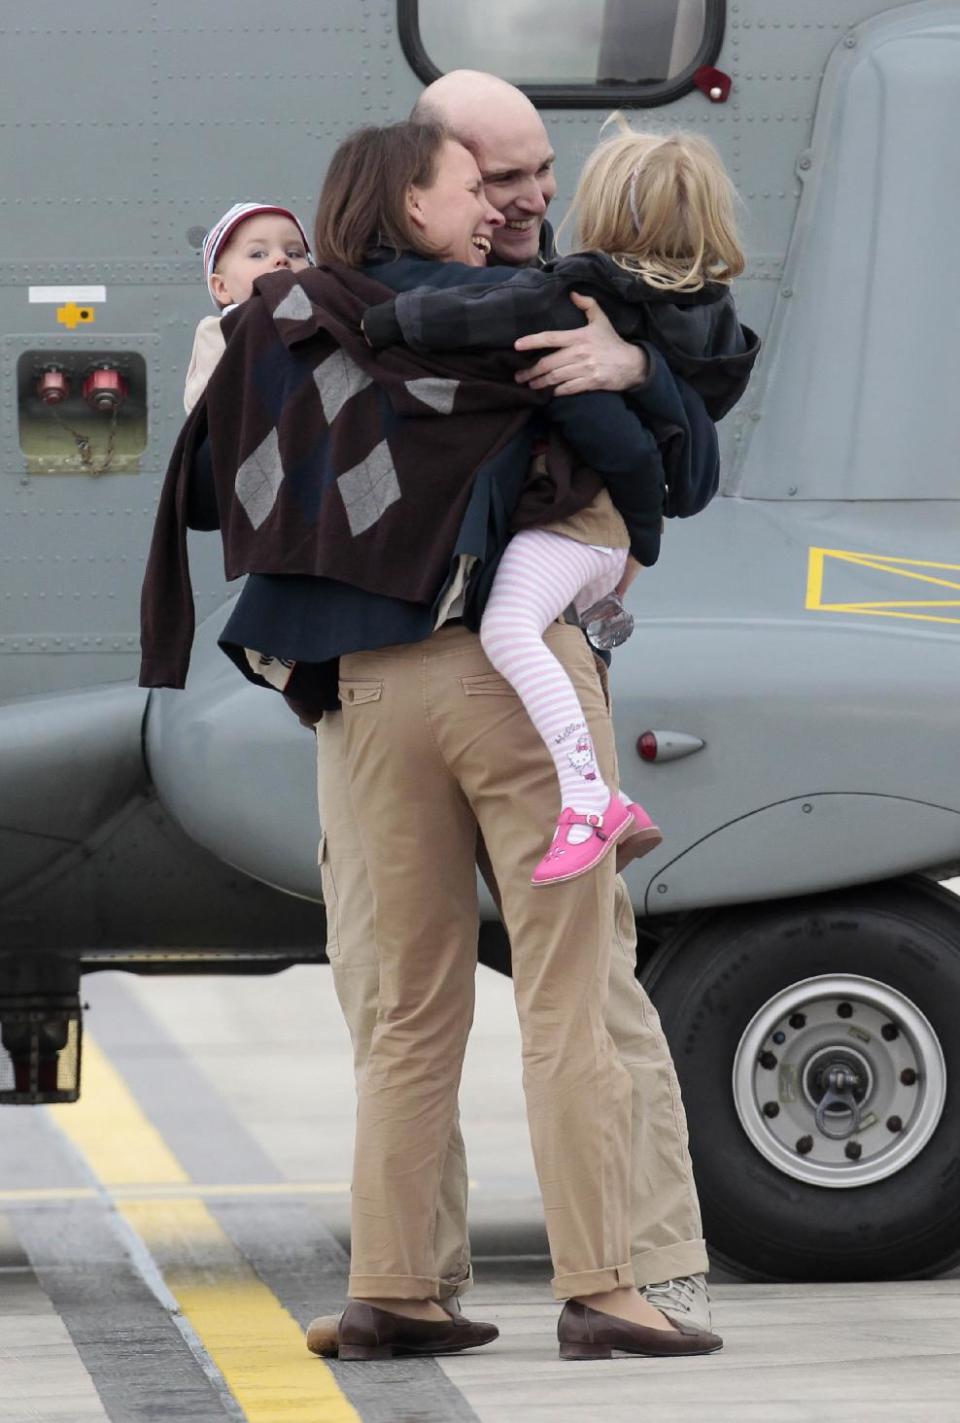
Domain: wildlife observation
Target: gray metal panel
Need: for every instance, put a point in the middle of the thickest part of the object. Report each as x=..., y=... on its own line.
x=127, y=132
x=858, y=393
x=141, y=892
x=790, y=700
x=124, y=136
x=793, y=694
x=53, y=797
x=805, y=845
x=234, y=767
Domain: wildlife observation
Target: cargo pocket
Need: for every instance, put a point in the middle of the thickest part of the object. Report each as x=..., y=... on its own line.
x=487, y=684
x=354, y=693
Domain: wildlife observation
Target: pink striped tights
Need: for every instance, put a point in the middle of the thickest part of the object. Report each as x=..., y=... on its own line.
x=540, y=575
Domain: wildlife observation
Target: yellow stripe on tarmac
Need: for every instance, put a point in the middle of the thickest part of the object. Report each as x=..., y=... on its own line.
x=108, y=1127
x=255, y=1343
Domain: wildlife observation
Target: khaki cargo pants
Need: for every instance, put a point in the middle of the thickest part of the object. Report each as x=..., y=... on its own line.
x=466, y=755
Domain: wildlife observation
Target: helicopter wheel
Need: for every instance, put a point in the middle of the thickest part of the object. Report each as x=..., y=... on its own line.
x=816, y=1045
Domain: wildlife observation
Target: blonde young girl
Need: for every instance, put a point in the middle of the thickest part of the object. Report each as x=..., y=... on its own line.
x=656, y=229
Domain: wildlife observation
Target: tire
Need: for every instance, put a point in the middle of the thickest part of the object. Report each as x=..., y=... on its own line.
x=728, y=969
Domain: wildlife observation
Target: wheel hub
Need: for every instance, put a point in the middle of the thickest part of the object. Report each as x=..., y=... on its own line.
x=839, y=1081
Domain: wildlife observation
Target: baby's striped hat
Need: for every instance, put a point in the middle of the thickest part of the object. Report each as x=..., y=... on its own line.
x=224, y=228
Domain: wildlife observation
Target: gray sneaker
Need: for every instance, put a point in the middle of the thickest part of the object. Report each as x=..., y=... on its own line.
x=684, y=1301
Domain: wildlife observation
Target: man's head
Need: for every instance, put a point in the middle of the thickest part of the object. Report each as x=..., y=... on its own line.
x=506, y=135
x=248, y=241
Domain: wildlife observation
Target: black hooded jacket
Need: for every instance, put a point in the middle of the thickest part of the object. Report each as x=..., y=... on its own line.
x=697, y=332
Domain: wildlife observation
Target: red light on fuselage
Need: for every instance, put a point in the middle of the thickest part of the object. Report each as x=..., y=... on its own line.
x=53, y=387
x=647, y=746
x=105, y=389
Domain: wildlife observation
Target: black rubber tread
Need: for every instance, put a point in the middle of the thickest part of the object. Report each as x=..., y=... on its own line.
x=710, y=979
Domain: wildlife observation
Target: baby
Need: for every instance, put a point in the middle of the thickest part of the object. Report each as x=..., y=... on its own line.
x=656, y=220
x=248, y=241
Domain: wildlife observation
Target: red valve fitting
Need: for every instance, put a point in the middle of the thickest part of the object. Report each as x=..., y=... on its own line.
x=105, y=390
x=53, y=387
x=714, y=83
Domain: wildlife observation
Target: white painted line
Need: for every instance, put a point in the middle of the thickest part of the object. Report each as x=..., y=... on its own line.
x=59, y=294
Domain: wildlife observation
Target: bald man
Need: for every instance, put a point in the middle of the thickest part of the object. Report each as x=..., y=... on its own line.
x=507, y=136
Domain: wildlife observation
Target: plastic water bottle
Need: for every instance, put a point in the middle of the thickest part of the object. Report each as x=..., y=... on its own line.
x=607, y=623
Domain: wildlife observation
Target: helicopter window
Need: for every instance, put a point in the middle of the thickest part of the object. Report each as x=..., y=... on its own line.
x=568, y=53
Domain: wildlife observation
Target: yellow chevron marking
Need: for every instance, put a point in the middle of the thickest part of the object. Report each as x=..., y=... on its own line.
x=909, y=608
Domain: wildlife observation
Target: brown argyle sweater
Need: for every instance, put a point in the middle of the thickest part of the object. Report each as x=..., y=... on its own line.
x=327, y=459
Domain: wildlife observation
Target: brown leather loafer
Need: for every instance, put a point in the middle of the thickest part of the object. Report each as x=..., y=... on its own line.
x=585, y=1333
x=322, y=1331
x=369, y=1333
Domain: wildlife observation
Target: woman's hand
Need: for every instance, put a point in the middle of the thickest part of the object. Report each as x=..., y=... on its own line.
x=629, y=574
x=591, y=357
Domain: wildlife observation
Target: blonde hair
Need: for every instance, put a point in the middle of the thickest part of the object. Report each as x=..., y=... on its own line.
x=662, y=206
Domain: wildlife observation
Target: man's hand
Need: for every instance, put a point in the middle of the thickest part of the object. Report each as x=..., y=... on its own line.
x=592, y=357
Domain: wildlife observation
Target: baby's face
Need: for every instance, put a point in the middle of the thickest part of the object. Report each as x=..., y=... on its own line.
x=266, y=242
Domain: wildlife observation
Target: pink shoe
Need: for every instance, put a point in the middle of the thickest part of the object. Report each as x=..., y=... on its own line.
x=640, y=841
x=565, y=861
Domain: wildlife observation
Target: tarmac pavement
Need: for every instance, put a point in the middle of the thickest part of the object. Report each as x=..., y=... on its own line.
x=164, y=1243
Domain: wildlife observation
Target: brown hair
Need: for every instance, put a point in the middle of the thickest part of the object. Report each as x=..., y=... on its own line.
x=363, y=199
